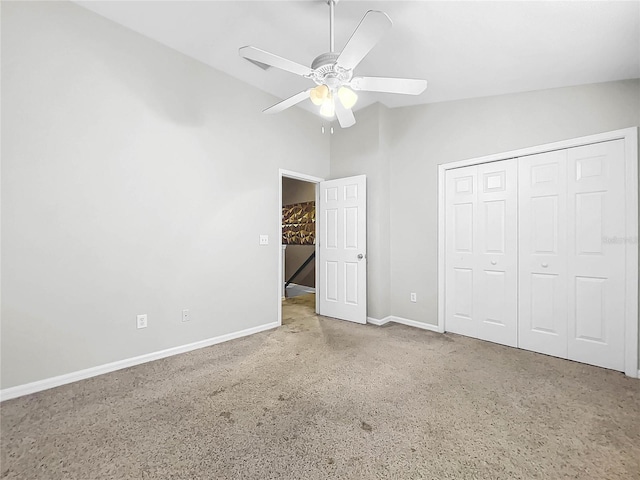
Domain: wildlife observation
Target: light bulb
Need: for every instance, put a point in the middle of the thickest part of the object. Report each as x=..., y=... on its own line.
x=347, y=97
x=328, y=108
x=318, y=94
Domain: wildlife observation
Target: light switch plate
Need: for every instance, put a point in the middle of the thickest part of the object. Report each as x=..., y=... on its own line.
x=264, y=239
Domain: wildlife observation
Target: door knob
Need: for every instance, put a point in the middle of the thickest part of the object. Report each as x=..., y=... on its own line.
x=493, y=262
x=360, y=256
x=545, y=264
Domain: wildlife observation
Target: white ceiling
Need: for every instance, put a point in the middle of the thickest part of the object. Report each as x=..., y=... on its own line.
x=464, y=49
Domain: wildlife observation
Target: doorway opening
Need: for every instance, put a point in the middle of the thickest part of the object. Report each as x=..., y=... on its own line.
x=298, y=275
x=298, y=237
x=340, y=247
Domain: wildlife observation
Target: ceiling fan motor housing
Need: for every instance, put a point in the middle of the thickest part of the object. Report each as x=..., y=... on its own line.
x=327, y=72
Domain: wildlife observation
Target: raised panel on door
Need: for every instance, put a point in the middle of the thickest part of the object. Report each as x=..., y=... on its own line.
x=342, y=249
x=462, y=293
x=496, y=260
x=596, y=265
x=462, y=219
x=542, y=254
x=460, y=222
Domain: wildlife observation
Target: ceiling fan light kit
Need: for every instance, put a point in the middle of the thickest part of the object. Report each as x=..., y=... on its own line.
x=333, y=72
x=347, y=96
x=319, y=94
x=328, y=108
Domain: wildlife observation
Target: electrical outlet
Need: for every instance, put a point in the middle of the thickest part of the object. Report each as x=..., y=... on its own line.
x=414, y=297
x=141, y=321
x=264, y=239
x=185, y=315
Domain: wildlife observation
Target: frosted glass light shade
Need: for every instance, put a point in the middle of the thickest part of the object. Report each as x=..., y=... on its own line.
x=328, y=108
x=319, y=94
x=347, y=97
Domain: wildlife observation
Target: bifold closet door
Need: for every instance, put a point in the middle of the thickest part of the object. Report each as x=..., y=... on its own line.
x=481, y=252
x=543, y=253
x=596, y=267
x=461, y=196
x=572, y=292
x=496, y=285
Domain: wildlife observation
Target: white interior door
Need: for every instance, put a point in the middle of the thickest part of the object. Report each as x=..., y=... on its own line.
x=481, y=295
x=596, y=262
x=343, y=248
x=543, y=253
x=461, y=199
x=496, y=279
x=568, y=216
x=571, y=278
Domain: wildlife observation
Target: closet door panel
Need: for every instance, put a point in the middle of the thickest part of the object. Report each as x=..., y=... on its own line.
x=535, y=253
x=596, y=261
x=496, y=284
x=460, y=250
x=543, y=253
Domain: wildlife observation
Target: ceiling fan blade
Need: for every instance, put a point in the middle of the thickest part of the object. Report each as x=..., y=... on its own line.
x=369, y=31
x=289, y=102
x=345, y=115
x=253, y=53
x=406, y=86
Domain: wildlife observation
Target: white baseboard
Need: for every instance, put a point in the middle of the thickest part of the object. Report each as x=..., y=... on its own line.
x=47, y=383
x=413, y=323
x=403, y=321
x=377, y=322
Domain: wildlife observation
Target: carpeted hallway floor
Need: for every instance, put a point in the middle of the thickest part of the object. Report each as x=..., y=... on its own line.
x=321, y=398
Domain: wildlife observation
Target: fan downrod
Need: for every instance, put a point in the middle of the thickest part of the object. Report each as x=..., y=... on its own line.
x=325, y=70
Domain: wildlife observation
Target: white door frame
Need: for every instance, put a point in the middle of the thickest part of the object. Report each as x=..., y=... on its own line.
x=630, y=137
x=305, y=178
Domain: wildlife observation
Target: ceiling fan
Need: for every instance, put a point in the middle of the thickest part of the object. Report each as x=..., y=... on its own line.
x=333, y=72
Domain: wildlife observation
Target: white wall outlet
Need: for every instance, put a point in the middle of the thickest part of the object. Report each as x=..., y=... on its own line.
x=141, y=321
x=414, y=297
x=264, y=239
x=185, y=315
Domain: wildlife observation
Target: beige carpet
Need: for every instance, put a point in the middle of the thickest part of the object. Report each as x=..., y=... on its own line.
x=321, y=398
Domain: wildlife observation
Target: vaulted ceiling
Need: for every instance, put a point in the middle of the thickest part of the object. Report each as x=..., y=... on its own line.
x=464, y=49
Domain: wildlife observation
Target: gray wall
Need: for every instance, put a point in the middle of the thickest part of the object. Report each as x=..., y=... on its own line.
x=134, y=180
x=363, y=149
x=296, y=191
x=425, y=136
x=400, y=149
